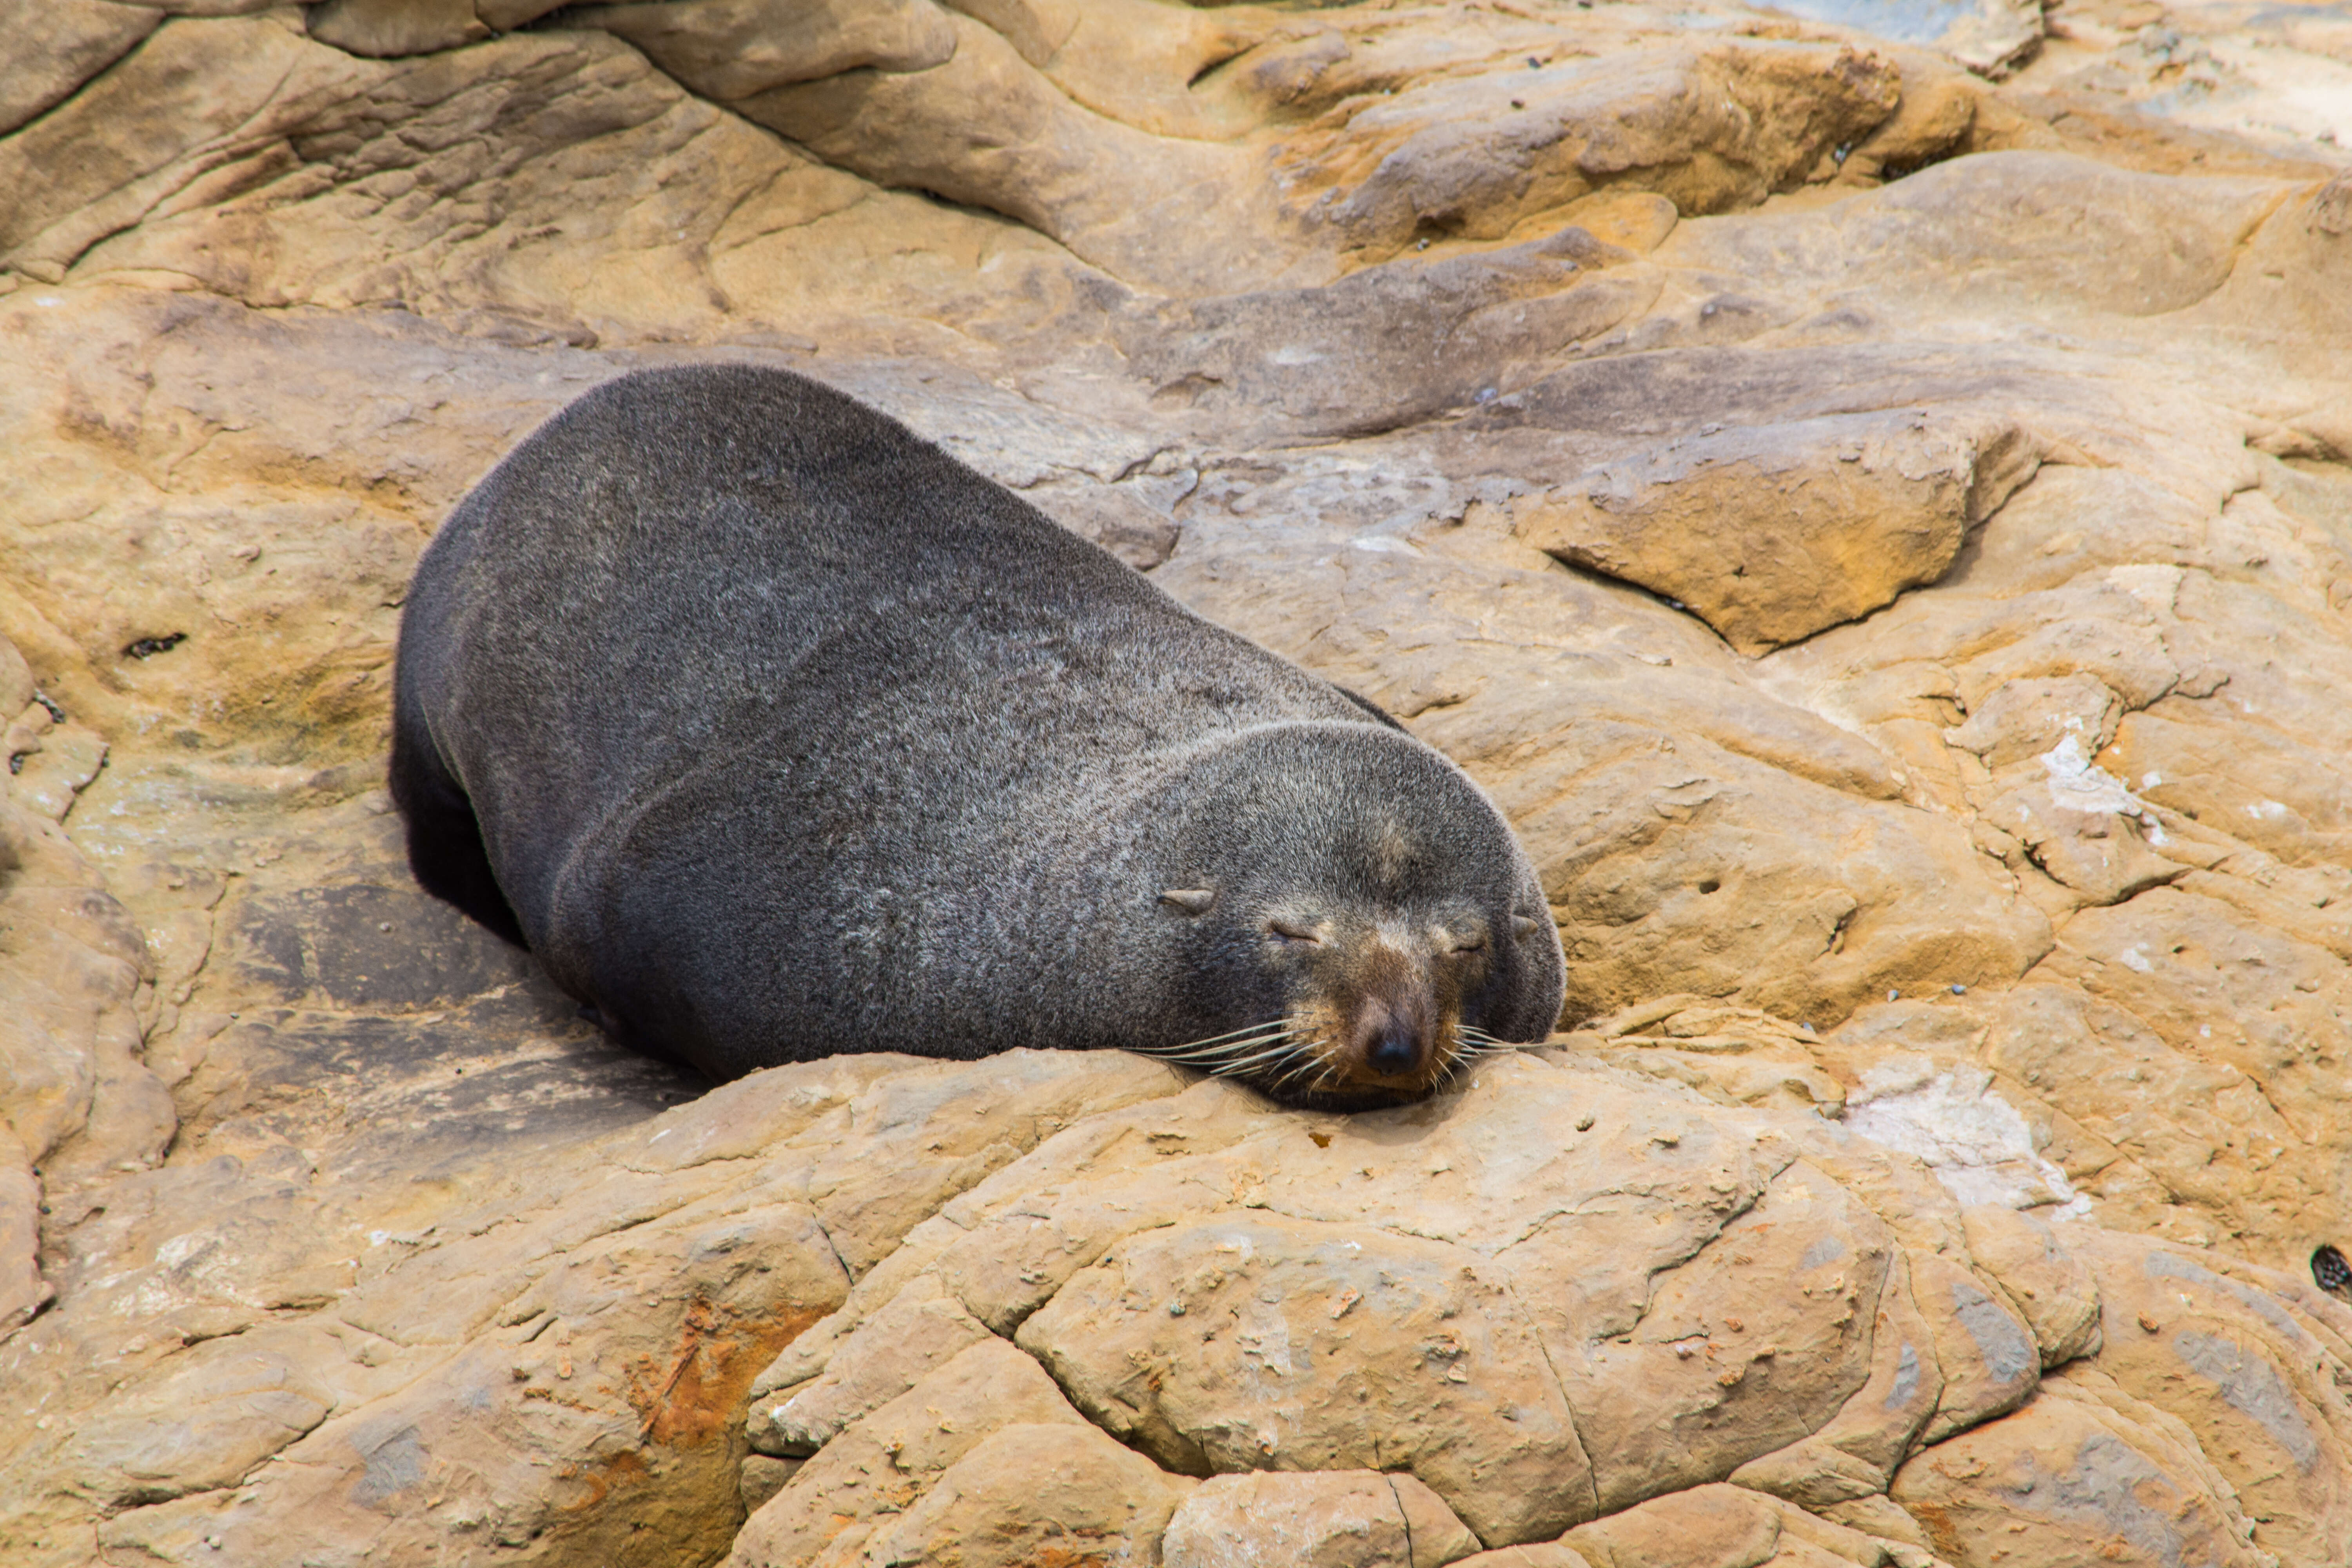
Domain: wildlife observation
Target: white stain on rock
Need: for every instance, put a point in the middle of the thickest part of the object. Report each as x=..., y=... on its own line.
x=1977, y=1143
x=2078, y=783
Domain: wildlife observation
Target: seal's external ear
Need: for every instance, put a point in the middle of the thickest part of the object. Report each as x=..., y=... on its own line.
x=1192, y=900
x=1523, y=926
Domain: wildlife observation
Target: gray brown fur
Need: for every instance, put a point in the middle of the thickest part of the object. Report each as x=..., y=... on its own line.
x=775, y=734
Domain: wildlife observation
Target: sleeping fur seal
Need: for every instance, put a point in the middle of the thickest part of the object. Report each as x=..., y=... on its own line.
x=776, y=732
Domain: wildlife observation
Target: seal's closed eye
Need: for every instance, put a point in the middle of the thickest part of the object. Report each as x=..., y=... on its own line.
x=1192, y=900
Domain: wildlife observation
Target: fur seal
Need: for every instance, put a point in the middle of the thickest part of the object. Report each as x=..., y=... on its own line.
x=775, y=732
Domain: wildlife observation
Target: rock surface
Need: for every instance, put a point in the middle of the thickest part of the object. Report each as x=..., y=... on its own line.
x=1865, y=488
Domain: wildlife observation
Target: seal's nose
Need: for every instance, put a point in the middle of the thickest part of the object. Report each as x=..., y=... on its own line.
x=1394, y=1036
x=1393, y=1052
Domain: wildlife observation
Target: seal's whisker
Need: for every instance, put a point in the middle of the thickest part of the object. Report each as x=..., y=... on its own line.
x=1258, y=1028
x=1251, y=1064
x=1222, y=1045
x=1272, y=1056
x=1219, y=1051
x=1237, y=1049
x=1234, y=1036
x=1307, y=1062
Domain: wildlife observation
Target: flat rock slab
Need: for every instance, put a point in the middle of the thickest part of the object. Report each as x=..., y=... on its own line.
x=1773, y=532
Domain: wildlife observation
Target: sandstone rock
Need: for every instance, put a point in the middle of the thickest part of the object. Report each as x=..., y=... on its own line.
x=197, y=95
x=1276, y=1338
x=1771, y=533
x=2238, y=1361
x=1027, y=1493
x=379, y=28
x=1339, y=1518
x=733, y=48
x=1212, y=1359
x=1854, y=1453
x=1706, y=1527
x=1355, y=355
x=54, y=49
x=2071, y=1477
x=1995, y=220
x=1542, y=1554
x=988, y=129
x=2049, y=1286
x=1990, y=37
x=893, y=1454
x=1991, y=1362
x=1709, y=129
x=912, y=1336
x=226, y=1404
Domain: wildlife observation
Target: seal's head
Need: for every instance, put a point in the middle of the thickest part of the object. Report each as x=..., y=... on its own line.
x=1358, y=921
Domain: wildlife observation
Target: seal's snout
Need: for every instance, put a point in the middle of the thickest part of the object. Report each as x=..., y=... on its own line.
x=1393, y=1053
x=1395, y=1035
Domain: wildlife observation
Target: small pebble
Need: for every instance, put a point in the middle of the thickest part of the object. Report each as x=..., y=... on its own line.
x=1895, y=996
x=1959, y=990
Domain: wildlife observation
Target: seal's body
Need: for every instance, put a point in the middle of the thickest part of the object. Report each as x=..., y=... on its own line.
x=775, y=732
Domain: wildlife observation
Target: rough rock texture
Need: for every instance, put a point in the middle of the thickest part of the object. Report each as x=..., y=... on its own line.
x=1884, y=535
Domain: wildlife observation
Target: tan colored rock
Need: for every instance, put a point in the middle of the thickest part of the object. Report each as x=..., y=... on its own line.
x=1644, y=804
x=1991, y=1360
x=762, y=1477
x=1392, y=343
x=1720, y=1369
x=2070, y=1478
x=378, y=29
x=2049, y=1284
x=1998, y=228
x=1477, y=154
x=915, y=1333
x=77, y=1105
x=55, y=48
x=1771, y=533
x=1542, y=1554
x=2247, y=1367
x=728, y=49
x=2192, y=982
x=221, y=1407
x=198, y=93
x=2025, y=718
x=1854, y=1453
x=1032, y=1493
x=1331, y=1519
x=988, y=129
x=1267, y=1342
x=1706, y=1527
x=2078, y=825
x=889, y=1458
